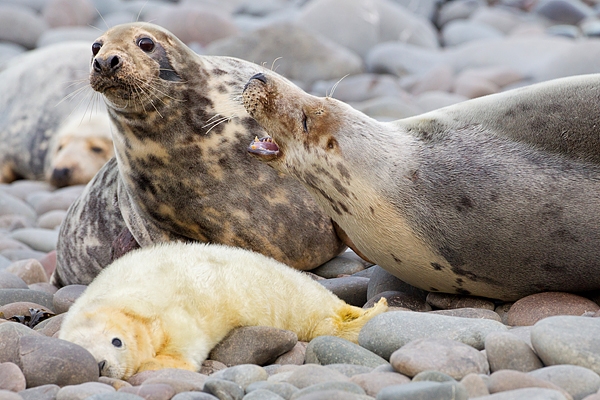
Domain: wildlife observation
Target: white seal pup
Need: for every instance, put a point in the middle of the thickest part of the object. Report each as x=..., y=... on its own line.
x=45, y=99
x=167, y=306
x=497, y=196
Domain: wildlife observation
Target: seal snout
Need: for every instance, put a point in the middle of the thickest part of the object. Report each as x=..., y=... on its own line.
x=61, y=177
x=108, y=65
x=265, y=148
x=101, y=366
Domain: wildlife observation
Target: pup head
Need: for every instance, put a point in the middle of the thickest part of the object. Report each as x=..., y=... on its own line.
x=118, y=340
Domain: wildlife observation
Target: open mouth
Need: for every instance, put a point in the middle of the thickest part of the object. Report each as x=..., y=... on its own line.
x=264, y=148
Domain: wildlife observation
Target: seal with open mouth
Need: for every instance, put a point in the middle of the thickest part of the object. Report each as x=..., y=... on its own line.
x=497, y=196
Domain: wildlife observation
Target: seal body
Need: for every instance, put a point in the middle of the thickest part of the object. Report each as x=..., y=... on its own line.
x=181, y=169
x=497, y=196
x=50, y=127
x=167, y=306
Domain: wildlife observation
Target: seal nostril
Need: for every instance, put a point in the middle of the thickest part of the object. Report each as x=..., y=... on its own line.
x=261, y=77
x=101, y=366
x=97, y=66
x=115, y=62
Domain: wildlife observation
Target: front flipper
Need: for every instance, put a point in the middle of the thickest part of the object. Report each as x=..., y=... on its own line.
x=163, y=361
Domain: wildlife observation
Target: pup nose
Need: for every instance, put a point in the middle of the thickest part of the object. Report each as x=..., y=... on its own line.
x=101, y=366
x=108, y=65
x=60, y=177
x=261, y=77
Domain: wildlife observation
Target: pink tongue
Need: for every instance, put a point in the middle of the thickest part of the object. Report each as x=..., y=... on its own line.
x=264, y=147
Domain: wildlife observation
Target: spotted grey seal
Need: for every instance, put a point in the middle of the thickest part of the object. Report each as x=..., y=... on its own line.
x=179, y=173
x=50, y=128
x=497, y=196
x=139, y=315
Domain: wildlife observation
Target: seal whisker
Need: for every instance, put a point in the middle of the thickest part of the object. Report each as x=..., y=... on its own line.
x=273, y=68
x=217, y=123
x=336, y=85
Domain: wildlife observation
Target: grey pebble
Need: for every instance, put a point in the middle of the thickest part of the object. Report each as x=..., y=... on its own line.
x=51, y=219
x=22, y=254
x=325, y=350
x=4, y=262
x=527, y=393
x=424, y=391
x=311, y=374
x=156, y=391
x=11, y=377
x=476, y=385
x=224, y=390
x=7, y=394
x=38, y=239
x=17, y=295
x=505, y=350
x=339, y=265
x=387, y=332
x=31, y=271
x=44, y=392
x=11, y=333
x=568, y=340
x=11, y=205
x=579, y=382
x=480, y=313
x=399, y=299
x=448, y=356
x=50, y=326
x=11, y=281
x=446, y=301
x=433, y=376
x=174, y=376
x=253, y=345
x=193, y=396
x=46, y=360
x=373, y=382
x=334, y=395
x=263, y=394
x=350, y=369
x=348, y=387
x=65, y=297
x=83, y=391
x=295, y=356
x=283, y=389
x=351, y=289
x=115, y=396
x=242, y=375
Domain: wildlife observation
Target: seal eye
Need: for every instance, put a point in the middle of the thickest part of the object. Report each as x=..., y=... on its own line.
x=304, y=124
x=146, y=44
x=117, y=342
x=96, y=48
x=97, y=149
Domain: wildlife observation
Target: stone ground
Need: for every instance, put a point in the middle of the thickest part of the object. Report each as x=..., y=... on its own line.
x=403, y=58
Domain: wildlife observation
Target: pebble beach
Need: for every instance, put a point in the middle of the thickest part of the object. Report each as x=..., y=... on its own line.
x=390, y=59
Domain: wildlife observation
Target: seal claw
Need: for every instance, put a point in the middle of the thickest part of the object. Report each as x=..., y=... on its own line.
x=265, y=148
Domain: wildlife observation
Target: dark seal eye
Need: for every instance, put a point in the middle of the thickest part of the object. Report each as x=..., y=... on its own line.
x=117, y=342
x=96, y=48
x=304, y=125
x=146, y=44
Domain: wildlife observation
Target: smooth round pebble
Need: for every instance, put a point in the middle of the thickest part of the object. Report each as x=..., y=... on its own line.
x=506, y=351
x=194, y=396
x=348, y=387
x=115, y=396
x=448, y=356
x=11, y=205
x=83, y=390
x=263, y=394
x=43, y=240
x=579, y=382
x=8, y=296
x=295, y=356
x=333, y=395
x=31, y=271
x=193, y=379
x=350, y=369
x=400, y=299
x=533, y=308
x=501, y=381
x=157, y=391
x=253, y=345
x=60, y=199
x=475, y=385
x=568, y=340
x=44, y=287
x=432, y=376
x=66, y=296
x=50, y=326
x=522, y=394
x=44, y=392
x=21, y=308
x=11, y=333
x=242, y=375
x=480, y=313
x=446, y=301
x=7, y=394
x=209, y=367
x=387, y=332
x=47, y=360
x=311, y=374
x=282, y=389
x=424, y=390
x=223, y=389
x=339, y=265
x=11, y=281
x=351, y=289
x=325, y=350
x=51, y=219
x=373, y=382
x=11, y=377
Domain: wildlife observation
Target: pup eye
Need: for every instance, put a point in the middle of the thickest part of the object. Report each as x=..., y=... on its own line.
x=96, y=48
x=146, y=44
x=96, y=149
x=117, y=342
x=304, y=125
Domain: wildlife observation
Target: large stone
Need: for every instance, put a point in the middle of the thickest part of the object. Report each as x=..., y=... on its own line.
x=83, y=390
x=44, y=392
x=311, y=374
x=387, y=332
x=528, y=393
x=16, y=295
x=243, y=375
x=501, y=381
x=326, y=350
x=373, y=382
x=506, y=351
x=11, y=281
x=20, y=25
x=424, y=391
x=66, y=296
x=11, y=377
x=448, y=356
x=9, y=204
x=382, y=281
x=351, y=289
x=43, y=240
x=531, y=309
x=579, y=382
x=10, y=336
x=223, y=389
x=69, y=12
x=568, y=340
x=402, y=59
x=31, y=271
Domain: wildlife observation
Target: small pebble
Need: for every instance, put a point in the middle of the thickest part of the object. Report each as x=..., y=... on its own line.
x=43, y=392
x=424, y=390
x=11, y=377
x=83, y=390
x=373, y=382
x=501, y=381
x=311, y=374
x=285, y=390
x=351, y=289
x=295, y=356
x=65, y=297
x=533, y=308
x=446, y=301
x=348, y=387
x=157, y=391
x=223, y=389
x=243, y=375
x=333, y=350
x=31, y=271
x=506, y=351
x=579, y=382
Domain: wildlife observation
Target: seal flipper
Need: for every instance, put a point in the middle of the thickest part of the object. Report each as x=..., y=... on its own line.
x=349, y=320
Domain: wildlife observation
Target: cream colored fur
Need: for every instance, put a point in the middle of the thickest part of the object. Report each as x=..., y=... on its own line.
x=171, y=304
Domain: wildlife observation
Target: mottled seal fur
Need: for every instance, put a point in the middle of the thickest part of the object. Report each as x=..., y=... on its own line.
x=180, y=174
x=497, y=196
x=43, y=102
x=167, y=306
